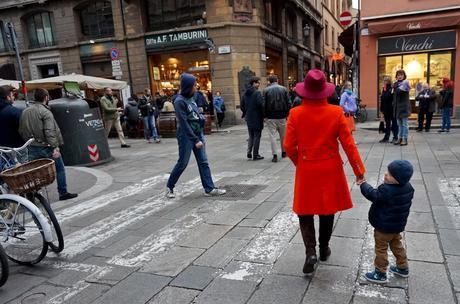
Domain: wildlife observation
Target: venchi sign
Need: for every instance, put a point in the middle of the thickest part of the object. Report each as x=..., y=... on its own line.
x=176, y=38
x=417, y=43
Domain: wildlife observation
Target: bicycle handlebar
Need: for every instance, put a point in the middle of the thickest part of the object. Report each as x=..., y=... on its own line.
x=9, y=149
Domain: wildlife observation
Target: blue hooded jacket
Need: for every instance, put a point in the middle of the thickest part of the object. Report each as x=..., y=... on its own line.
x=190, y=121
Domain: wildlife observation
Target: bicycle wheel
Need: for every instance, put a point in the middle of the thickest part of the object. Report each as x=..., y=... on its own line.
x=58, y=239
x=21, y=234
x=4, y=268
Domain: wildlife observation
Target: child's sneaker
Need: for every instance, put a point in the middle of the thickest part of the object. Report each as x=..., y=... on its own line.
x=404, y=273
x=376, y=277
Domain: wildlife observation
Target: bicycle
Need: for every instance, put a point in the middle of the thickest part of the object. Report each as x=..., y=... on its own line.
x=361, y=112
x=4, y=268
x=27, y=179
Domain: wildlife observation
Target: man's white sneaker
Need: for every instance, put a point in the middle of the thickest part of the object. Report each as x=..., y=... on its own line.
x=215, y=192
x=170, y=193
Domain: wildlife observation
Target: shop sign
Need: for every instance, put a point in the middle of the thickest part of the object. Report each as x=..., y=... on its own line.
x=177, y=38
x=116, y=68
x=417, y=43
x=224, y=49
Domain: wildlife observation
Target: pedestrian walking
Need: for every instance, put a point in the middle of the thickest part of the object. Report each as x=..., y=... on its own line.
x=447, y=103
x=200, y=100
x=38, y=122
x=388, y=214
x=401, y=106
x=276, y=109
x=252, y=106
x=147, y=107
x=9, y=119
x=349, y=105
x=313, y=132
x=219, y=106
x=111, y=115
x=386, y=108
x=132, y=116
x=426, y=107
x=189, y=133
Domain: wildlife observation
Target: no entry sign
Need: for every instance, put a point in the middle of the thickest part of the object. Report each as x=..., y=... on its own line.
x=345, y=18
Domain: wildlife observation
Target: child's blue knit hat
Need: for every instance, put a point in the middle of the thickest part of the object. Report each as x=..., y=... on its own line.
x=401, y=170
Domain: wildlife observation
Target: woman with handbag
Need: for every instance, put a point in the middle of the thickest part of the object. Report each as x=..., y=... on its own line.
x=313, y=132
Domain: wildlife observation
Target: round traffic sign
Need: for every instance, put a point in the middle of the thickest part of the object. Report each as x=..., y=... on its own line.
x=114, y=53
x=345, y=18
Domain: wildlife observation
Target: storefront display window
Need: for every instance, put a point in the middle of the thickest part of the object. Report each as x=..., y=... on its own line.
x=292, y=71
x=419, y=68
x=167, y=68
x=274, y=64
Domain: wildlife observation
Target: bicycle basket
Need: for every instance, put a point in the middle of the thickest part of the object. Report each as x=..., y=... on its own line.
x=31, y=176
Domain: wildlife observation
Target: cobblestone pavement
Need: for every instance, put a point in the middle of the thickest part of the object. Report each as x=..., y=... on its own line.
x=128, y=244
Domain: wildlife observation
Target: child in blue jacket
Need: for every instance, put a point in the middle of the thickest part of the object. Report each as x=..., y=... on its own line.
x=388, y=214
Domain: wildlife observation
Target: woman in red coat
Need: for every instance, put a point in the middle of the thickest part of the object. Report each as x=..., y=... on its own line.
x=314, y=130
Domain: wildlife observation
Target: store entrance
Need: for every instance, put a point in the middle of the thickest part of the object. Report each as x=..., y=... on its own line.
x=166, y=68
x=420, y=68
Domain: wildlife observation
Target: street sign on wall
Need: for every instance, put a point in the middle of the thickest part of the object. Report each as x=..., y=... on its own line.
x=345, y=18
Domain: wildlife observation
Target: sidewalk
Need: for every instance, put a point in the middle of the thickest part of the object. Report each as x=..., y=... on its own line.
x=435, y=124
x=128, y=244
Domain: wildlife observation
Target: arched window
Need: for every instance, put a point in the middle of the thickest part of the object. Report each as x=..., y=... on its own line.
x=40, y=30
x=96, y=19
x=163, y=14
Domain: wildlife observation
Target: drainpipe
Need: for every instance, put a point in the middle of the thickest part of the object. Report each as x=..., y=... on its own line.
x=130, y=77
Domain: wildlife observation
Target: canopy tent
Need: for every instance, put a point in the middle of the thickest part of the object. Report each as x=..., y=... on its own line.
x=85, y=82
x=12, y=83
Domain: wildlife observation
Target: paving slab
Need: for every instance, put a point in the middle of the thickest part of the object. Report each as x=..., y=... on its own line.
x=173, y=261
x=257, y=223
x=137, y=288
x=330, y=284
x=243, y=233
x=266, y=211
x=453, y=264
x=212, y=232
x=420, y=222
x=375, y=294
x=68, y=278
x=39, y=294
x=450, y=240
x=340, y=245
x=88, y=295
x=195, y=277
x=230, y=218
x=225, y=291
x=277, y=289
x=350, y=228
x=119, y=246
x=447, y=217
x=174, y=295
x=18, y=284
x=219, y=255
x=423, y=247
x=291, y=261
x=428, y=283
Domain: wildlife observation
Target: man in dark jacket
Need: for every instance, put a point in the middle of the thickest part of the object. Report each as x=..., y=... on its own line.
x=132, y=116
x=189, y=133
x=9, y=119
x=147, y=107
x=276, y=107
x=388, y=214
x=200, y=100
x=427, y=106
x=38, y=122
x=386, y=107
x=252, y=106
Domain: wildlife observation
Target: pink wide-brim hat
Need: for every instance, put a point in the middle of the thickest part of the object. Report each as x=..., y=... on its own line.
x=315, y=86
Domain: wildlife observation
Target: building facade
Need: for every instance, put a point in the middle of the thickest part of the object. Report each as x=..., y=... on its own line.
x=152, y=42
x=335, y=62
x=420, y=37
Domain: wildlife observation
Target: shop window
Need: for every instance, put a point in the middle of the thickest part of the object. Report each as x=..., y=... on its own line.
x=167, y=68
x=292, y=71
x=273, y=14
x=48, y=70
x=440, y=67
x=96, y=19
x=416, y=68
x=40, y=30
x=162, y=14
x=274, y=63
x=3, y=44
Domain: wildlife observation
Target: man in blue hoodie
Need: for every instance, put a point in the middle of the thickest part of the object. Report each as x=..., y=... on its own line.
x=9, y=119
x=190, y=125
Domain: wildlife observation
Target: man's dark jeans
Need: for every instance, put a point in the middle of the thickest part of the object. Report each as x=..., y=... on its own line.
x=254, y=141
x=36, y=152
x=421, y=118
x=186, y=146
x=391, y=126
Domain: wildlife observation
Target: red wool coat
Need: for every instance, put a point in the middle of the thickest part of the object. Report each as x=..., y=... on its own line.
x=313, y=132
